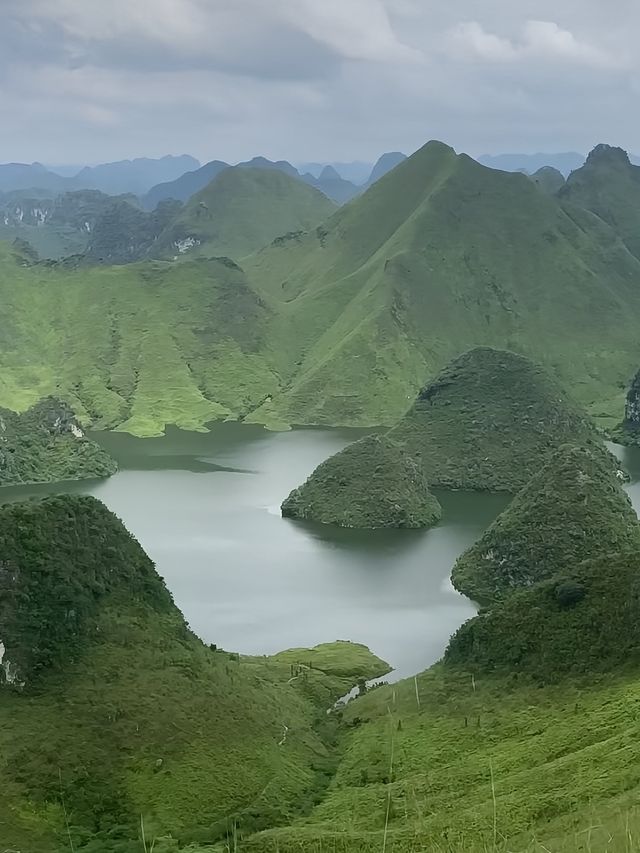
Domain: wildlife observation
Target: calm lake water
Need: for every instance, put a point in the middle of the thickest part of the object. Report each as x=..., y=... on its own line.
x=206, y=508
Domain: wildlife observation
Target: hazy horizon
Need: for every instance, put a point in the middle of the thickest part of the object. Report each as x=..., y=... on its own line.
x=307, y=81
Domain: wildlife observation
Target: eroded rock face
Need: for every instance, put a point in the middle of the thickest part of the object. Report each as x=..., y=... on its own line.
x=632, y=406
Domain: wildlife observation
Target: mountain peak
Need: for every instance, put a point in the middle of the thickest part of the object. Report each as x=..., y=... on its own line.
x=604, y=153
x=329, y=174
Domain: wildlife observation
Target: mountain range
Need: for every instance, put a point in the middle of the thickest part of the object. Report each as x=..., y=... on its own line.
x=342, y=320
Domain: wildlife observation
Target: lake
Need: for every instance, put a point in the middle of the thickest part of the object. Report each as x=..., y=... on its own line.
x=206, y=508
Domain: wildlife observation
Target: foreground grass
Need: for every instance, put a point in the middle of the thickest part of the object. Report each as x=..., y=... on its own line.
x=446, y=763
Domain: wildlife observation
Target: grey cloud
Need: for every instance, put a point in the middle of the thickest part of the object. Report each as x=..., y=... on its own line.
x=308, y=80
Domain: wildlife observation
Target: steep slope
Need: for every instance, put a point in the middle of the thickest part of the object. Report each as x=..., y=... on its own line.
x=136, y=722
x=29, y=176
x=240, y=211
x=55, y=225
x=46, y=444
x=628, y=432
x=124, y=233
x=371, y=483
x=180, y=344
x=384, y=164
x=439, y=255
x=489, y=420
x=609, y=186
x=182, y=188
x=571, y=510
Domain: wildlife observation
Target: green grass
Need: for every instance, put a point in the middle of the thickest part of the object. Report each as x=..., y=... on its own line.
x=372, y=483
x=480, y=766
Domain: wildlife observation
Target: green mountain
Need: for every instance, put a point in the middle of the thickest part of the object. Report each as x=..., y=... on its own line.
x=240, y=211
x=143, y=734
x=489, y=421
x=609, y=186
x=439, y=255
x=46, y=444
x=342, y=324
x=124, y=233
x=548, y=179
x=571, y=510
x=57, y=226
x=371, y=483
x=583, y=618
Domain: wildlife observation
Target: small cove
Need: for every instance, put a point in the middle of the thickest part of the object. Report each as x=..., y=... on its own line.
x=205, y=506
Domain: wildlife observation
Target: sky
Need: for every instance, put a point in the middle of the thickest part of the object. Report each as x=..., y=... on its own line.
x=84, y=81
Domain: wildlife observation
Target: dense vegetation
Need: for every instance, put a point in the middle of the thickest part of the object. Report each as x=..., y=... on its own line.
x=46, y=444
x=571, y=510
x=489, y=421
x=137, y=724
x=371, y=483
x=584, y=619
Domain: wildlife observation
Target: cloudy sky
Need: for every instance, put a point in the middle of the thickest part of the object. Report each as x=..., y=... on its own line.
x=91, y=80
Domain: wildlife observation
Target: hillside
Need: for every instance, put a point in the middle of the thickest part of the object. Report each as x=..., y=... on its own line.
x=45, y=444
x=372, y=483
x=185, y=343
x=439, y=255
x=137, y=722
x=565, y=162
x=572, y=510
x=242, y=210
x=609, y=186
x=488, y=421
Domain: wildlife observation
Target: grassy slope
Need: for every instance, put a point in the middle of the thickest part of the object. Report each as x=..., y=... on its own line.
x=371, y=483
x=489, y=420
x=478, y=766
x=242, y=210
x=131, y=713
x=165, y=343
x=439, y=255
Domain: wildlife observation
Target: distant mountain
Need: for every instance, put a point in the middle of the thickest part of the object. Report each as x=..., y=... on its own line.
x=356, y=172
x=564, y=162
x=126, y=176
x=548, y=179
x=264, y=163
x=55, y=225
x=242, y=210
x=385, y=164
x=23, y=176
x=609, y=185
x=332, y=185
x=182, y=188
x=124, y=233
x=134, y=176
